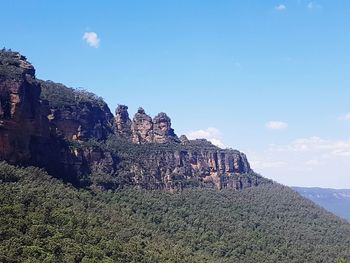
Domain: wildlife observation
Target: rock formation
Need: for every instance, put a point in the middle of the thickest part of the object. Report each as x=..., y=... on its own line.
x=183, y=139
x=73, y=135
x=122, y=121
x=162, y=129
x=142, y=129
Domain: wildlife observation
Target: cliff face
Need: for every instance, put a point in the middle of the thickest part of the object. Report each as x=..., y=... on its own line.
x=177, y=169
x=37, y=132
x=81, y=122
x=77, y=115
x=74, y=136
x=22, y=116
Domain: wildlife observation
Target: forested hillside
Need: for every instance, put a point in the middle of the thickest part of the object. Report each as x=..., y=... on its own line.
x=44, y=220
x=336, y=201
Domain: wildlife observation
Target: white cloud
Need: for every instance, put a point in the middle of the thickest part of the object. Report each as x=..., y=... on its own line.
x=312, y=161
x=276, y=125
x=280, y=7
x=345, y=117
x=313, y=5
x=315, y=144
x=262, y=162
x=91, y=39
x=211, y=134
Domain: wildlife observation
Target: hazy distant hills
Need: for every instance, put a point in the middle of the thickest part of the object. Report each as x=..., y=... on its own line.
x=335, y=200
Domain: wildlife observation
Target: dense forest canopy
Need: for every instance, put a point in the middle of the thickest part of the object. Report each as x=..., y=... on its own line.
x=44, y=220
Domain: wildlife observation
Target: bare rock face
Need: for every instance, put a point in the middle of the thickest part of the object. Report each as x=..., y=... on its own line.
x=76, y=114
x=82, y=122
x=22, y=116
x=123, y=122
x=175, y=170
x=142, y=128
x=162, y=129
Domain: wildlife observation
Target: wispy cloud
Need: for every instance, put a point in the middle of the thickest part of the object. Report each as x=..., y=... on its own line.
x=345, y=117
x=280, y=7
x=276, y=125
x=91, y=39
x=211, y=134
x=311, y=161
x=315, y=144
x=313, y=5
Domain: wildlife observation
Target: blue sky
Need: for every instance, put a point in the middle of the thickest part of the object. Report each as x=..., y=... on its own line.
x=270, y=78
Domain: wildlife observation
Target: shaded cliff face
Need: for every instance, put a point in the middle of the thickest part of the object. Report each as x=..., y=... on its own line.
x=72, y=134
x=22, y=115
x=77, y=114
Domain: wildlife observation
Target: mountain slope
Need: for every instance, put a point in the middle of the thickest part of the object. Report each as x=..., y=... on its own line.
x=44, y=220
x=335, y=200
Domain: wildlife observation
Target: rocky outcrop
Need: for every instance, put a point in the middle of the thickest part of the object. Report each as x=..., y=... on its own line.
x=162, y=129
x=183, y=139
x=123, y=122
x=142, y=128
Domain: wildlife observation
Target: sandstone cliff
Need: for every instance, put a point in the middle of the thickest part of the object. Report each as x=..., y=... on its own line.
x=22, y=115
x=73, y=135
x=77, y=114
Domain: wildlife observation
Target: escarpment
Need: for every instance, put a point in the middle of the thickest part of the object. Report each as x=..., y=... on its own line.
x=73, y=134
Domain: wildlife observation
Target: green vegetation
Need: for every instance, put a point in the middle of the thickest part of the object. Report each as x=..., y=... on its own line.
x=60, y=96
x=44, y=220
x=9, y=62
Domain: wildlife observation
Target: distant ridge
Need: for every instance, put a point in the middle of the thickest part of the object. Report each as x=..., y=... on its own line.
x=336, y=201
